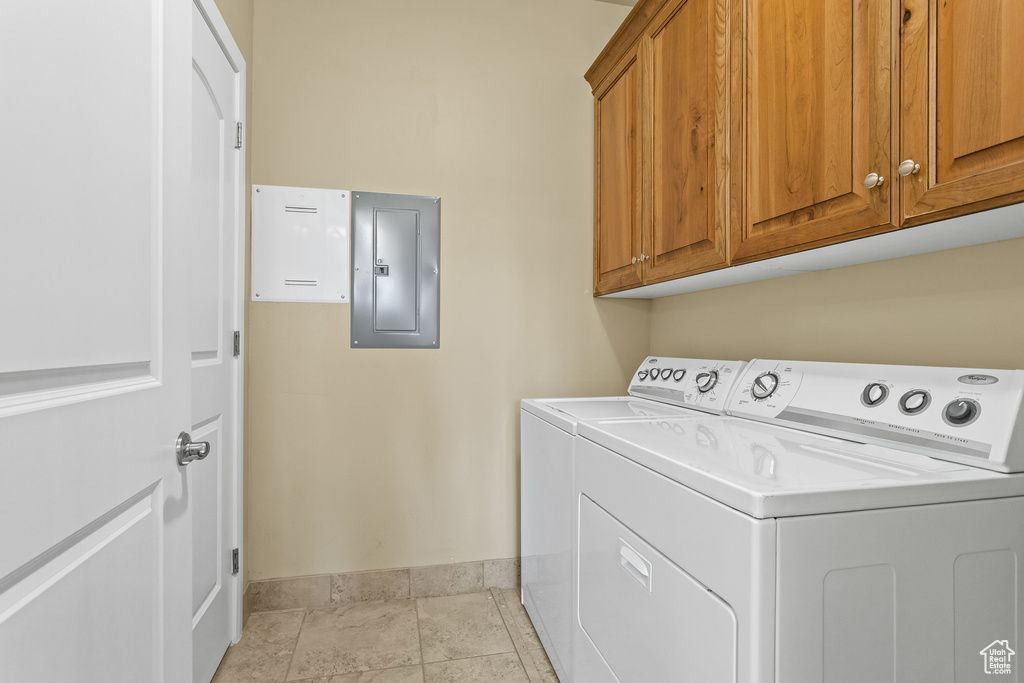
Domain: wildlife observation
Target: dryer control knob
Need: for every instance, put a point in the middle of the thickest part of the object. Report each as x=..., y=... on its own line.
x=706, y=381
x=874, y=394
x=960, y=412
x=764, y=386
x=915, y=401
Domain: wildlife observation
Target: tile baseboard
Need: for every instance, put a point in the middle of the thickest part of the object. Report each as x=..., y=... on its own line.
x=320, y=590
x=246, y=604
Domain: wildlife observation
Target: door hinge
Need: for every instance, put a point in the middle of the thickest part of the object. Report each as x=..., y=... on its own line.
x=238, y=135
x=234, y=561
x=238, y=343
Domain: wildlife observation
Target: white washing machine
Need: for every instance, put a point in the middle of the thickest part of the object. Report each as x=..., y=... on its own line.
x=661, y=387
x=844, y=523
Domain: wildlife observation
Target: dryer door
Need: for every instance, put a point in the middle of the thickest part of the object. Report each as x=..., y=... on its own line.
x=648, y=619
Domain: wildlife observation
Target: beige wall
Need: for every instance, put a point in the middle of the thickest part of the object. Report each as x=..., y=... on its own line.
x=366, y=459
x=963, y=307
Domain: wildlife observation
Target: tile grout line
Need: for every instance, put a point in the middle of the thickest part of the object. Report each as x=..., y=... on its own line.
x=518, y=642
x=291, y=660
x=419, y=632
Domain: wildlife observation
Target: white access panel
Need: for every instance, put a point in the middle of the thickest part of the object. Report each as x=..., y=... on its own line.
x=300, y=244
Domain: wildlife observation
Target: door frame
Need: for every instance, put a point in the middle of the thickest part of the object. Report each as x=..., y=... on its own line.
x=208, y=9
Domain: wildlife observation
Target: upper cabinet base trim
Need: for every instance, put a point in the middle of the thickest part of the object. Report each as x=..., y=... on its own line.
x=994, y=225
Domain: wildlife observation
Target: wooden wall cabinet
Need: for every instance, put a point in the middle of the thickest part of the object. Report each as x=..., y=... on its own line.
x=962, y=106
x=617, y=179
x=751, y=129
x=816, y=108
x=660, y=178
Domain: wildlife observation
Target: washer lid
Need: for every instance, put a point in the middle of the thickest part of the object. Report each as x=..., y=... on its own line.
x=768, y=471
x=565, y=413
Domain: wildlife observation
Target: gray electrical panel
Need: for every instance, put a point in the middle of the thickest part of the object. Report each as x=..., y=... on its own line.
x=396, y=271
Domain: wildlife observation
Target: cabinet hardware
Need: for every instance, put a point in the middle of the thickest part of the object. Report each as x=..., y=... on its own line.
x=908, y=167
x=873, y=180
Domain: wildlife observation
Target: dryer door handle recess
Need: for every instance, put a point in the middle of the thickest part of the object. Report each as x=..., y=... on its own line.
x=635, y=565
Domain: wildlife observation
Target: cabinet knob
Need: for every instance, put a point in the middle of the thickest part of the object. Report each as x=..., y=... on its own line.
x=908, y=167
x=873, y=180
x=635, y=259
x=643, y=257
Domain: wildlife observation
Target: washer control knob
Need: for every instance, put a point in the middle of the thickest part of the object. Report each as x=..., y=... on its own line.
x=654, y=373
x=960, y=412
x=666, y=374
x=679, y=374
x=706, y=381
x=642, y=375
x=915, y=401
x=764, y=386
x=874, y=394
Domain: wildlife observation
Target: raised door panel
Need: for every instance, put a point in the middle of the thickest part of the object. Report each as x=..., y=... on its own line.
x=617, y=179
x=684, y=231
x=95, y=567
x=818, y=113
x=963, y=106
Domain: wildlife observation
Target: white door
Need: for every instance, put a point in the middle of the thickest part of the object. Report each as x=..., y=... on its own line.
x=214, y=267
x=95, y=547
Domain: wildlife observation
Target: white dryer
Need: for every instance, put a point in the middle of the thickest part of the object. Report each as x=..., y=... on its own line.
x=845, y=523
x=661, y=387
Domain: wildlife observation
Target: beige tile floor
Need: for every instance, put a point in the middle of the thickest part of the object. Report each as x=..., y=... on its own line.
x=472, y=638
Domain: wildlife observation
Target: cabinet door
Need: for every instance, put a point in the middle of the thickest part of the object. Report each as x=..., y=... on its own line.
x=818, y=106
x=617, y=179
x=684, y=230
x=963, y=106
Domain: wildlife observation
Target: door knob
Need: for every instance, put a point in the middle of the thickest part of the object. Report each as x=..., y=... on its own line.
x=188, y=450
x=873, y=180
x=908, y=167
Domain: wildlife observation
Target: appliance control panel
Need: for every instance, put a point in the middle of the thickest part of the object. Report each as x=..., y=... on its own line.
x=687, y=382
x=957, y=414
